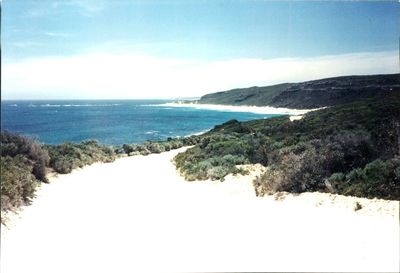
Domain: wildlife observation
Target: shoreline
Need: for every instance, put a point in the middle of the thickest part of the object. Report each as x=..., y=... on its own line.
x=138, y=214
x=242, y=108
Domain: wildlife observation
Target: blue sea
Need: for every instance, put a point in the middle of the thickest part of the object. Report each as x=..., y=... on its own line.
x=110, y=121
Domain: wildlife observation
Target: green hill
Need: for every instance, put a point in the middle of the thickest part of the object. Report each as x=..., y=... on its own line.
x=307, y=95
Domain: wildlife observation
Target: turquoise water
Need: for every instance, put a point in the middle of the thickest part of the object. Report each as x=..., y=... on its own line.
x=110, y=121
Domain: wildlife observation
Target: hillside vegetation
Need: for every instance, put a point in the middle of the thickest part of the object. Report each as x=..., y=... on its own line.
x=350, y=149
x=308, y=95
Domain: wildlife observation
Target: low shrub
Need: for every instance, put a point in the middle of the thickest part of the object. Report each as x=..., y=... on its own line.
x=18, y=183
x=198, y=168
x=305, y=166
x=218, y=172
x=155, y=147
x=380, y=178
x=23, y=166
x=68, y=156
x=13, y=145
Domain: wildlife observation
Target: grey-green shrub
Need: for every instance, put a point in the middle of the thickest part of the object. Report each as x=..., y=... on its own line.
x=23, y=166
x=380, y=178
x=18, y=183
x=68, y=156
x=13, y=145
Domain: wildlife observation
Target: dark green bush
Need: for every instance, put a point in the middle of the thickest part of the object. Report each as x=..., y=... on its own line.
x=201, y=168
x=68, y=156
x=18, y=184
x=150, y=147
x=377, y=179
x=155, y=148
x=303, y=167
x=128, y=148
x=13, y=145
x=64, y=164
x=23, y=166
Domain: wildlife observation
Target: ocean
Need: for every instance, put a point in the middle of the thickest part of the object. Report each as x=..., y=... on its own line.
x=110, y=121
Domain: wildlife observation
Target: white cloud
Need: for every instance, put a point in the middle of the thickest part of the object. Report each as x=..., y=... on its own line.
x=34, y=13
x=25, y=44
x=109, y=75
x=58, y=34
x=85, y=7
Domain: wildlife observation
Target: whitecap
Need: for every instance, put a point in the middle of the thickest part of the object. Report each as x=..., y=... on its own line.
x=151, y=132
x=91, y=105
x=78, y=105
x=50, y=105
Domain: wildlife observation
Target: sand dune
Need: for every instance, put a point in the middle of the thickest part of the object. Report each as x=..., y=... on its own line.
x=138, y=215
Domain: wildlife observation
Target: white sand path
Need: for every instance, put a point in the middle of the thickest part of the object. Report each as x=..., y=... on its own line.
x=138, y=215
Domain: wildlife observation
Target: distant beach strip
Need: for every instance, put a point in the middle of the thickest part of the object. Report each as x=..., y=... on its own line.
x=245, y=109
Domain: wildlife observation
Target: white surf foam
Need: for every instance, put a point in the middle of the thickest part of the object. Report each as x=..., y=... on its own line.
x=246, y=109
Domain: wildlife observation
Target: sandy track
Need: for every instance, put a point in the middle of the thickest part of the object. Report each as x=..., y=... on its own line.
x=137, y=215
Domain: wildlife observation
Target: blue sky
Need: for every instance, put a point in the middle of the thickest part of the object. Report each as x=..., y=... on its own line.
x=188, y=48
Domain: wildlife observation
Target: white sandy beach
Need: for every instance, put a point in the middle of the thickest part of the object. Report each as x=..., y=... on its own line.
x=241, y=108
x=138, y=215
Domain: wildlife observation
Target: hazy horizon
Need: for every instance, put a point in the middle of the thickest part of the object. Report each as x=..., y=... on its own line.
x=116, y=99
x=144, y=98
x=87, y=49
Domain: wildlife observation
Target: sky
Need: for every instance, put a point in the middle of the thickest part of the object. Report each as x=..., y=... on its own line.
x=120, y=49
